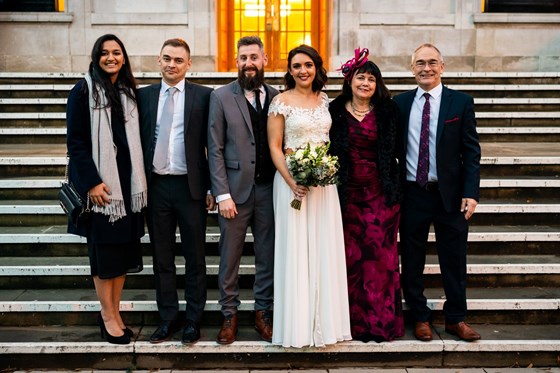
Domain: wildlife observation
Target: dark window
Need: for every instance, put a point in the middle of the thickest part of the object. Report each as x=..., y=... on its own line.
x=28, y=6
x=522, y=6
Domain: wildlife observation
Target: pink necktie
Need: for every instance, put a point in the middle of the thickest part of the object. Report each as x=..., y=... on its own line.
x=424, y=146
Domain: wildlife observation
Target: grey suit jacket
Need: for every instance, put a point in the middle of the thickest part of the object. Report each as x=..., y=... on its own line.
x=231, y=143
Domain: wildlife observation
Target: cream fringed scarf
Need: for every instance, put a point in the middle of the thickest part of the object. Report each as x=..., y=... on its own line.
x=104, y=154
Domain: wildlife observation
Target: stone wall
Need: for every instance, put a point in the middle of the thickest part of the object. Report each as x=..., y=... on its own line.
x=469, y=40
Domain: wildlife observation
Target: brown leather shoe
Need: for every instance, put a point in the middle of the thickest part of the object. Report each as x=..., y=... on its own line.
x=263, y=324
x=423, y=331
x=228, y=331
x=463, y=331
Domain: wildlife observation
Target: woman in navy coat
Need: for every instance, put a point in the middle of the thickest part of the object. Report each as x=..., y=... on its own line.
x=106, y=167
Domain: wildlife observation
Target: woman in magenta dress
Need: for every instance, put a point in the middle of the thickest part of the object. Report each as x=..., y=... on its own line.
x=363, y=136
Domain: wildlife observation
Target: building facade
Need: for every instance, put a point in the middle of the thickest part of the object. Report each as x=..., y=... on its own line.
x=473, y=35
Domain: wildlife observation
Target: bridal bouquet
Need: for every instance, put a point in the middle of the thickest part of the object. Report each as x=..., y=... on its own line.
x=312, y=166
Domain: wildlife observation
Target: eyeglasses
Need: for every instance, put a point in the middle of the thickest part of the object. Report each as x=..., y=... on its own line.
x=422, y=63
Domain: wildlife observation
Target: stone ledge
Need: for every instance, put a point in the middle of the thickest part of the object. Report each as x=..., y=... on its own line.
x=531, y=18
x=42, y=235
x=54, y=182
x=265, y=347
x=28, y=207
x=327, y=88
x=424, y=19
x=163, y=19
x=80, y=268
x=42, y=131
x=84, y=300
x=486, y=114
x=37, y=17
x=481, y=101
x=331, y=74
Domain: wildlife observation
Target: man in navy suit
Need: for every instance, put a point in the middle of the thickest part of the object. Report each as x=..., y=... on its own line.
x=440, y=164
x=174, y=120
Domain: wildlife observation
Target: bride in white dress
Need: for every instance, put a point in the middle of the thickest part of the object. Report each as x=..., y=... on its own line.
x=310, y=291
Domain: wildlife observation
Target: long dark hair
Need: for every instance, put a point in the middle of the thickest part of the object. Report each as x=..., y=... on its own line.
x=125, y=80
x=381, y=93
x=321, y=73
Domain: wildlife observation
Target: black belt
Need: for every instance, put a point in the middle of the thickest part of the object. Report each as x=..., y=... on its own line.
x=431, y=186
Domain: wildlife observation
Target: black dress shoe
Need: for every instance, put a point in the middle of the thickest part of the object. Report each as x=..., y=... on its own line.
x=164, y=331
x=191, y=333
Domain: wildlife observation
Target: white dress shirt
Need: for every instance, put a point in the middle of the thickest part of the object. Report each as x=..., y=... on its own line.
x=414, y=127
x=177, y=164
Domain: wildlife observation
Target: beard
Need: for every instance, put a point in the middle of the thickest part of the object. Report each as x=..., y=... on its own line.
x=250, y=82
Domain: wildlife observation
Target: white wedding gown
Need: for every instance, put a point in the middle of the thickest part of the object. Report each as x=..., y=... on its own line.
x=310, y=291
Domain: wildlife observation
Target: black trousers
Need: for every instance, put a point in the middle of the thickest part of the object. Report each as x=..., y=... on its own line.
x=419, y=210
x=170, y=204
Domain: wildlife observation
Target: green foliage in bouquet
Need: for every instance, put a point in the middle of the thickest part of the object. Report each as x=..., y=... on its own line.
x=312, y=166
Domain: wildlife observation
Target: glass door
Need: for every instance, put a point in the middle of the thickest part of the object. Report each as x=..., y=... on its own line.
x=281, y=24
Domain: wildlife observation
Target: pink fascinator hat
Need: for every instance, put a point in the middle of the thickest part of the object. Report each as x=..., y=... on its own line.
x=360, y=58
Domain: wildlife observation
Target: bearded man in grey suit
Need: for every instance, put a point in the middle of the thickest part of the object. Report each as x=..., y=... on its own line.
x=241, y=174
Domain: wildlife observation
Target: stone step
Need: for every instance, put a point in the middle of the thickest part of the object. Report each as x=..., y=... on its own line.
x=73, y=272
x=479, y=76
x=505, y=130
x=35, y=90
x=79, y=266
x=52, y=240
x=482, y=104
x=499, y=159
x=143, y=300
x=41, y=212
x=56, y=234
x=42, y=116
x=80, y=347
x=49, y=207
x=43, y=187
x=57, y=135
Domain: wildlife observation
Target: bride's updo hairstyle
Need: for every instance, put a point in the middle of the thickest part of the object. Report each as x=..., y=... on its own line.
x=321, y=73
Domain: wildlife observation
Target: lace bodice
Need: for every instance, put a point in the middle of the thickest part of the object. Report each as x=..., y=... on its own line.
x=303, y=126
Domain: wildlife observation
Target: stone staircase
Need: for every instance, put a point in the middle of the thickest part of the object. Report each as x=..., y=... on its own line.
x=47, y=298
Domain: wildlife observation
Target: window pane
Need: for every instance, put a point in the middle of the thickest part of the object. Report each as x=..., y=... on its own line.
x=27, y=6
x=522, y=6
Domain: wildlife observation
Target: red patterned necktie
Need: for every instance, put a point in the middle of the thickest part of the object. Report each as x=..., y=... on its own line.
x=424, y=146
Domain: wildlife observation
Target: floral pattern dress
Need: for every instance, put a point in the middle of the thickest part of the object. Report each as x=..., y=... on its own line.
x=310, y=288
x=370, y=235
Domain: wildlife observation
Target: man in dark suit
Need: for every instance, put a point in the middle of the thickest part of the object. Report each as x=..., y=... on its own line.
x=440, y=163
x=242, y=173
x=174, y=119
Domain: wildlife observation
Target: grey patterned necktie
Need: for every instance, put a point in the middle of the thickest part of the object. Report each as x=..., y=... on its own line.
x=162, y=145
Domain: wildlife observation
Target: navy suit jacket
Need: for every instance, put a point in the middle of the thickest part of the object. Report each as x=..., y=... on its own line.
x=457, y=146
x=197, y=101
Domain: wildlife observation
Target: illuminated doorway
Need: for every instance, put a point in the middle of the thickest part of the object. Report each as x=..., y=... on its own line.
x=281, y=24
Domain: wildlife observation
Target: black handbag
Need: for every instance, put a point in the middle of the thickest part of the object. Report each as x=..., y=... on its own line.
x=73, y=205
